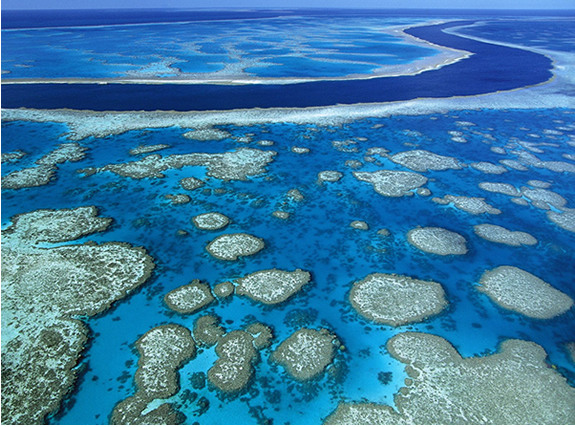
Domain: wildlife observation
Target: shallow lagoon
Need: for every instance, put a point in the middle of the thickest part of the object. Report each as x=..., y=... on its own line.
x=205, y=48
x=317, y=237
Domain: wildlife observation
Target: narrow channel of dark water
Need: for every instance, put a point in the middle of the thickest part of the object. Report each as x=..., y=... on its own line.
x=491, y=68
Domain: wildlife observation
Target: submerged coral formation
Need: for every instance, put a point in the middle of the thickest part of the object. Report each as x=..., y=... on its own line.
x=162, y=350
x=473, y=205
x=230, y=247
x=513, y=386
x=495, y=233
x=306, y=353
x=272, y=286
x=234, y=369
x=231, y=165
x=211, y=221
x=44, y=290
x=396, y=300
x=47, y=166
x=436, y=240
x=190, y=298
x=392, y=183
x=424, y=161
x=516, y=289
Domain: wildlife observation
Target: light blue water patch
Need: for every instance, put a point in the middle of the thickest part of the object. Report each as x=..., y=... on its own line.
x=196, y=47
x=317, y=237
x=293, y=66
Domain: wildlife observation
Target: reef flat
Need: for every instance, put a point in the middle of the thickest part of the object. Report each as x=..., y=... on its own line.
x=238, y=164
x=229, y=247
x=473, y=205
x=438, y=241
x=423, y=161
x=516, y=289
x=272, y=286
x=396, y=300
x=495, y=233
x=44, y=290
x=306, y=353
x=47, y=166
x=162, y=351
x=190, y=298
x=211, y=221
x=392, y=183
x=512, y=386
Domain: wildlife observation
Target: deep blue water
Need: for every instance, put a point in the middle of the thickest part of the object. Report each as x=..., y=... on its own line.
x=492, y=68
x=317, y=238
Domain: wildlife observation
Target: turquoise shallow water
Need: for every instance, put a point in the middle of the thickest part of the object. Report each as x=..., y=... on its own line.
x=317, y=238
x=170, y=49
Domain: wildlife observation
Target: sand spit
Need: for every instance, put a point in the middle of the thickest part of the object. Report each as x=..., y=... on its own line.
x=439, y=241
x=329, y=176
x=396, y=300
x=230, y=247
x=207, y=134
x=392, y=183
x=233, y=165
x=473, y=205
x=306, y=353
x=13, y=156
x=191, y=183
x=272, y=286
x=207, y=330
x=47, y=166
x=43, y=292
x=425, y=161
x=520, y=291
x=189, y=298
x=497, y=234
x=145, y=149
x=162, y=350
x=211, y=221
x=487, y=167
x=513, y=386
x=499, y=187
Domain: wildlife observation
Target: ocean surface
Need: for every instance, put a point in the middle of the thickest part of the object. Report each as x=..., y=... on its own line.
x=317, y=237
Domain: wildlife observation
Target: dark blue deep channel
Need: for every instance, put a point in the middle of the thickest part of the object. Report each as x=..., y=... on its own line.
x=491, y=68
